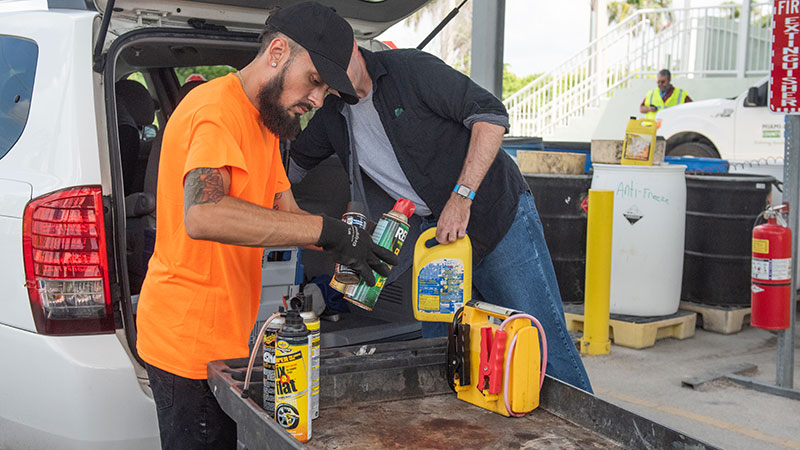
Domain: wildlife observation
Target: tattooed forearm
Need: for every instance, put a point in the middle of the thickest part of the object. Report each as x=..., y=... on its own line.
x=203, y=186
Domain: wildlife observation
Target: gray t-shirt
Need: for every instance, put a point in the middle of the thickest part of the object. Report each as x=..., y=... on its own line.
x=376, y=156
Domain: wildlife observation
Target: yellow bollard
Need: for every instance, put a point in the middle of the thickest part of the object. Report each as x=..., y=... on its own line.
x=598, y=274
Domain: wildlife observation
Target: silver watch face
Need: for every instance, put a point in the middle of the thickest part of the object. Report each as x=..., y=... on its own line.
x=463, y=191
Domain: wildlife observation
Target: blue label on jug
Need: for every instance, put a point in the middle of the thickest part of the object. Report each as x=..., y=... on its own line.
x=441, y=286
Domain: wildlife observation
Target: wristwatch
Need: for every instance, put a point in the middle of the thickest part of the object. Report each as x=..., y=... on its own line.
x=464, y=191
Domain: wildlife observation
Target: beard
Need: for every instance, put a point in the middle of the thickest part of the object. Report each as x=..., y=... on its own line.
x=278, y=119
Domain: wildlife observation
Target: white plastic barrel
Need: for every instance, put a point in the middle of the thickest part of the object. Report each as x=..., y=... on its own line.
x=648, y=236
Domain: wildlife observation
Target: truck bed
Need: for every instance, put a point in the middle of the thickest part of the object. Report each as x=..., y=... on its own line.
x=444, y=422
x=395, y=395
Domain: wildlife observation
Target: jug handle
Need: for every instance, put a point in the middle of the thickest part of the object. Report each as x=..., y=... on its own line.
x=429, y=238
x=648, y=123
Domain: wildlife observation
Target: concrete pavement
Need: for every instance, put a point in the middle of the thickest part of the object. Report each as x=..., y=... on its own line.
x=721, y=413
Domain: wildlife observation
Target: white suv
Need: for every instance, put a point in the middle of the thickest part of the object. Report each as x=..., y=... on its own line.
x=76, y=198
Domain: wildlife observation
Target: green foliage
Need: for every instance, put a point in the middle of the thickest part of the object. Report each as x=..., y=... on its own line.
x=208, y=72
x=759, y=17
x=619, y=10
x=137, y=76
x=513, y=83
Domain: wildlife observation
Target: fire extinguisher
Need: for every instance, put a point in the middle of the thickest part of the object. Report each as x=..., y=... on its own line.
x=771, y=282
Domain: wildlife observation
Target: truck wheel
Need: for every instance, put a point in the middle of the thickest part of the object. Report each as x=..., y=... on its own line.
x=694, y=149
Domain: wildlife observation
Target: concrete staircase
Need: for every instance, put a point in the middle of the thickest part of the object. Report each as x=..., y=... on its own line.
x=710, y=51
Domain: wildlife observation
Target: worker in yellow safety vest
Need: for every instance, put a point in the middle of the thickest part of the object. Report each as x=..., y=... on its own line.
x=664, y=97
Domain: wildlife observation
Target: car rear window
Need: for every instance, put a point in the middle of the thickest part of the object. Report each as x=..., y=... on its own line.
x=17, y=69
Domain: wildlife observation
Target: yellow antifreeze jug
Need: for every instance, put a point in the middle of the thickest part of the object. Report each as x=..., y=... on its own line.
x=442, y=277
x=640, y=142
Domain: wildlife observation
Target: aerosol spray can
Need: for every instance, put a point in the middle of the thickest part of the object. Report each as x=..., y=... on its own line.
x=270, y=335
x=353, y=216
x=390, y=233
x=303, y=304
x=292, y=399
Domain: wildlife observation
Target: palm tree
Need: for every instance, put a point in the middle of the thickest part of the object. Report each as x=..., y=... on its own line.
x=620, y=10
x=455, y=40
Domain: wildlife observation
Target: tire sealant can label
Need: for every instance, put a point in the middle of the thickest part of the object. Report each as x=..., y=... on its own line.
x=390, y=233
x=292, y=377
x=270, y=336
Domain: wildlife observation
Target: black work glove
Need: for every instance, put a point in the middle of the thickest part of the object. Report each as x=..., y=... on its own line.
x=353, y=247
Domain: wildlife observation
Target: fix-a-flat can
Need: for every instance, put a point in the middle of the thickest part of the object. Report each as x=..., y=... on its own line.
x=312, y=322
x=293, y=378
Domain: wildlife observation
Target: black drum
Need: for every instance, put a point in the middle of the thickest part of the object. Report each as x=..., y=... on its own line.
x=720, y=212
x=558, y=199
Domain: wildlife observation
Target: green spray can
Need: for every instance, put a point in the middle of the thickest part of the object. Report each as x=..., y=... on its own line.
x=390, y=233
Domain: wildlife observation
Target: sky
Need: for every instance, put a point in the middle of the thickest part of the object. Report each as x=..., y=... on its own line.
x=539, y=34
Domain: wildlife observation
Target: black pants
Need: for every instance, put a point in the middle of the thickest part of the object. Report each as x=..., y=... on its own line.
x=189, y=416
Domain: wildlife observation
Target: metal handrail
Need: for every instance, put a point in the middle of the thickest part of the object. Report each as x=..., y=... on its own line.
x=696, y=41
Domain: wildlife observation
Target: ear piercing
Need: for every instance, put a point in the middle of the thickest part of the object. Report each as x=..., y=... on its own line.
x=274, y=64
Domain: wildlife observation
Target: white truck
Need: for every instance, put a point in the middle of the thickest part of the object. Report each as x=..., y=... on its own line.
x=737, y=129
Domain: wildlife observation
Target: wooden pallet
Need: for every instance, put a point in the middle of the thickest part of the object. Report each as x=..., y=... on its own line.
x=720, y=319
x=638, y=332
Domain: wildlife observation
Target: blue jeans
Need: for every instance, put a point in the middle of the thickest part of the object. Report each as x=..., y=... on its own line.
x=518, y=274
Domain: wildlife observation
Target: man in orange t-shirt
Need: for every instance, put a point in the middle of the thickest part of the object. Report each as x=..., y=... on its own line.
x=223, y=196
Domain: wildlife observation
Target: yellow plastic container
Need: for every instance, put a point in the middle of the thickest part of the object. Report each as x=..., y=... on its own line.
x=640, y=142
x=525, y=362
x=442, y=278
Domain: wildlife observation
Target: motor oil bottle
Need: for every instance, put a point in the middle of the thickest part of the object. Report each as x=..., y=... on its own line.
x=270, y=335
x=442, y=277
x=292, y=377
x=302, y=303
x=640, y=142
x=390, y=233
x=353, y=216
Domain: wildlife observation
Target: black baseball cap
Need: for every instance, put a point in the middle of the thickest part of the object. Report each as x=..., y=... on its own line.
x=326, y=36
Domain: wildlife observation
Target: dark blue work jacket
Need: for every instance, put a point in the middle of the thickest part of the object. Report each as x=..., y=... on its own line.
x=427, y=109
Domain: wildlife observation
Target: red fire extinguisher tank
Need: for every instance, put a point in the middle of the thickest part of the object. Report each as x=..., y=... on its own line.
x=771, y=276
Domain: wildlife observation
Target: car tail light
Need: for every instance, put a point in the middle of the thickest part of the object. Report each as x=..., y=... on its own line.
x=66, y=263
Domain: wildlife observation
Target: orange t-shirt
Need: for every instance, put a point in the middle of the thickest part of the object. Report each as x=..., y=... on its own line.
x=200, y=299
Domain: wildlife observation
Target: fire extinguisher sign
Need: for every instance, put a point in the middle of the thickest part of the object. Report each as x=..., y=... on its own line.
x=784, y=74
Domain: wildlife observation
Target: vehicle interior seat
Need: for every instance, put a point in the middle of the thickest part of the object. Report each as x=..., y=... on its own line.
x=151, y=171
x=136, y=110
x=141, y=209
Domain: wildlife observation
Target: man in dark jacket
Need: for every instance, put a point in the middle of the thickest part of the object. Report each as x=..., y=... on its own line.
x=423, y=131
